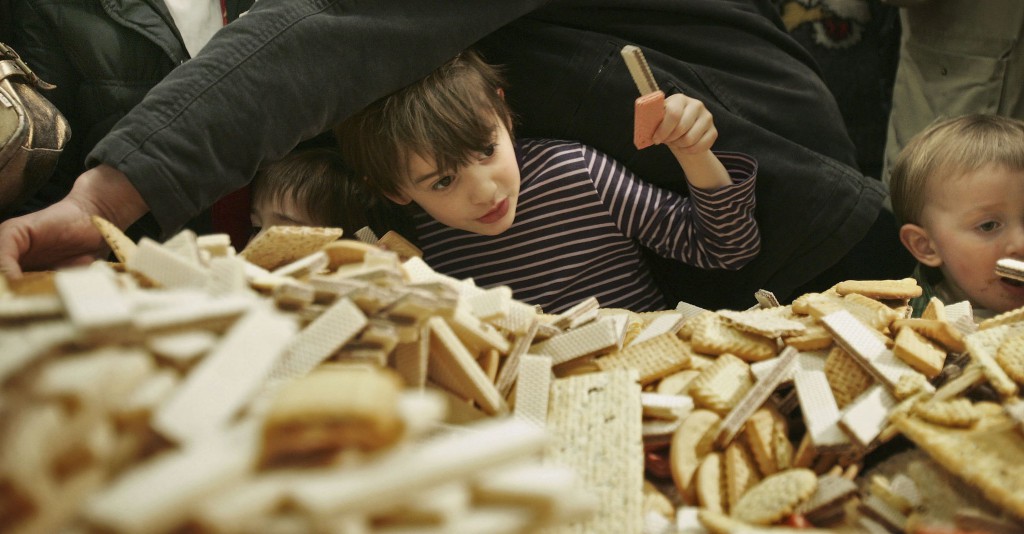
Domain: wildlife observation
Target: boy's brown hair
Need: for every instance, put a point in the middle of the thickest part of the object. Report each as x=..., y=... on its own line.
x=316, y=179
x=445, y=117
x=952, y=147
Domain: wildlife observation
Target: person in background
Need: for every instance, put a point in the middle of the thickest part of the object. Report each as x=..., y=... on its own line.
x=958, y=194
x=307, y=187
x=556, y=221
x=957, y=57
x=104, y=57
x=291, y=70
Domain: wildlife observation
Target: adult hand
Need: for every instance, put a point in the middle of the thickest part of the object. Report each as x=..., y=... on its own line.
x=63, y=234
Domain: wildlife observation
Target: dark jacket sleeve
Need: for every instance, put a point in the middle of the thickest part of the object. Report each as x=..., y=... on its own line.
x=284, y=72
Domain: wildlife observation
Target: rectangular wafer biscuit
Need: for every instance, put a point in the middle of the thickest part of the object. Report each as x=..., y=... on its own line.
x=862, y=344
x=397, y=476
x=166, y=268
x=594, y=424
x=452, y=366
x=588, y=340
x=319, y=340
x=755, y=397
x=206, y=400
x=820, y=412
x=865, y=418
x=533, y=389
x=92, y=299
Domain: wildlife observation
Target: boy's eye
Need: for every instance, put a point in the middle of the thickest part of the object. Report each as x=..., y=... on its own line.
x=489, y=150
x=988, y=226
x=443, y=183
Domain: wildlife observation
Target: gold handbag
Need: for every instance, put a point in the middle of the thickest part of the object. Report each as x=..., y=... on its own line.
x=32, y=131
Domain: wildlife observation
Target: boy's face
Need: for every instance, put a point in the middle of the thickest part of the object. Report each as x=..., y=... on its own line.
x=968, y=223
x=481, y=197
x=279, y=212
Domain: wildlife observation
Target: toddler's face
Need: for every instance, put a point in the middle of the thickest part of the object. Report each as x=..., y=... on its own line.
x=279, y=212
x=972, y=221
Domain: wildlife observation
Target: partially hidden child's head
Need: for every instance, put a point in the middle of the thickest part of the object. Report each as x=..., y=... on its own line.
x=957, y=191
x=306, y=187
x=443, y=142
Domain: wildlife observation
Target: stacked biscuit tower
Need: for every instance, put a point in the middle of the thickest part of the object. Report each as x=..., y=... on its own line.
x=311, y=383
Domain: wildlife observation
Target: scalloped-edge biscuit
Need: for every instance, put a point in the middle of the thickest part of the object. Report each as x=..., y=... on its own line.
x=775, y=497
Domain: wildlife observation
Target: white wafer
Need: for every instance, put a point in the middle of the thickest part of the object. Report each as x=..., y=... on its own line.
x=320, y=339
x=755, y=397
x=533, y=389
x=865, y=418
x=594, y=423
x=398, y=475
x=166, y=268
x=820, y=412
x=207, y=400
x=588, y=340
x=864, y=346
x=92, y=299
x=157, y=495
x=454, y=367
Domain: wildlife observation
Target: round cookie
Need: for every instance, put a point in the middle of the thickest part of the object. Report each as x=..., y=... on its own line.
x=775, y=497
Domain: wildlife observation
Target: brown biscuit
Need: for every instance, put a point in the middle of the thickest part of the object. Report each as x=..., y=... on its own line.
x=775, y=497
x=941, y=332
x=1010, y=356
x=722, y=385
x=918, y=352
x=712, y=336
x=905, y=288
x=120, y=244
x=333, y=407
x=847, y=378
x=708, y=483
x=394, y=242
x=279, y=245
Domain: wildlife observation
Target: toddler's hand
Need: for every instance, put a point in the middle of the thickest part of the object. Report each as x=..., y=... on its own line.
x=687, y=127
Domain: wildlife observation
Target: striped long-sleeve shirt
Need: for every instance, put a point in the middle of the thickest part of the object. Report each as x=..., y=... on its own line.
x=580, y=222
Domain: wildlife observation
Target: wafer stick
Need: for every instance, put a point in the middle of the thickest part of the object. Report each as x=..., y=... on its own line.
x=649, y=108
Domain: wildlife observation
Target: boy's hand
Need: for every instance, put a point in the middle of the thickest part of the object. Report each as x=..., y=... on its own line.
x=687, y=127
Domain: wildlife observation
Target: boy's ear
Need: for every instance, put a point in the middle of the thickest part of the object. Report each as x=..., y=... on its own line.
x=501, y=93
x=917, y=241
x=401, y=198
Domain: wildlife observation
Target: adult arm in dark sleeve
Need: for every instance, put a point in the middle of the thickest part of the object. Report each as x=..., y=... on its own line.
x=763, y=89
x=284, y=72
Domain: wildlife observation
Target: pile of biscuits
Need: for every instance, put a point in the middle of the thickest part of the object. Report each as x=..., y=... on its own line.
x=314, y=383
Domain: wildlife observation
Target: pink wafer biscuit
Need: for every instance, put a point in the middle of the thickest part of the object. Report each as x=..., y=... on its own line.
x=648, y=110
